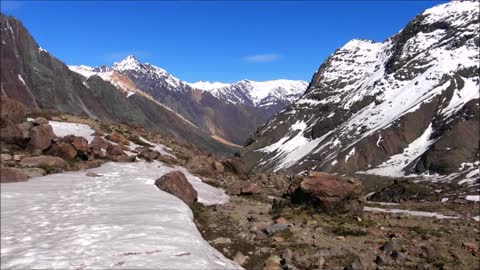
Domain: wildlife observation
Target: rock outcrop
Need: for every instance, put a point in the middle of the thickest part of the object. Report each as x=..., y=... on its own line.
x=330, y=193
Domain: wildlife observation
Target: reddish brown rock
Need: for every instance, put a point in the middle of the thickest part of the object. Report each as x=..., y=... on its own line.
x=177, y=184
x=148, y=154
x=99, y=143
x=331, y=194
x=41, y=137
x=63, y=150
x=115, y=150
x=12, y=112
x=168, y=159
x=42, y=161
x=243, y=188
x=250, y=188
x=235, y=189
x=11, y=175
x=79, y=143
x=118, y=138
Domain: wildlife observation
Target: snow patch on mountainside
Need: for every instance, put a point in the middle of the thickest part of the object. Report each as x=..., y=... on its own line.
x=208, y=85
x=264, y=93
x=396, y=164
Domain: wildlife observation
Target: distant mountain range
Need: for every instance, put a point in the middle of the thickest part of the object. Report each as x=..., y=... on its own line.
x=403, y=107
x=131, y=92
x=230, y=112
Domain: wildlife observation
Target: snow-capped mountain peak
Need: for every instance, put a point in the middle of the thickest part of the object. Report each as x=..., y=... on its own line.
x=256, y=93
x=129, y=63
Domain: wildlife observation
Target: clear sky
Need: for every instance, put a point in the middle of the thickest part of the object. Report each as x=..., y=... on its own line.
x=211, y=40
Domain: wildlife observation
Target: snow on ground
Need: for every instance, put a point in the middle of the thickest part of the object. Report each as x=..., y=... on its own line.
x=408, y=212
x=159, y=147
x=119, y=220
x=62, y=129
x=473, y=198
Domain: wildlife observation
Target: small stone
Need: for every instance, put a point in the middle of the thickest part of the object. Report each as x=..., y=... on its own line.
x=472, y=247
x=281, y=220
x=5, y=157
x=218, y=167
x=240, y=258
x=275, y=228
x=320, y=261
x=287, y=255
x=278, y=239
x=391, y=246
x=222, y=241
x=340, y=237
x=272, y=263
x=92, y=174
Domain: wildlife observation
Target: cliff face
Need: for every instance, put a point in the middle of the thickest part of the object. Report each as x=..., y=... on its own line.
x=32, y=76
x=408, y=105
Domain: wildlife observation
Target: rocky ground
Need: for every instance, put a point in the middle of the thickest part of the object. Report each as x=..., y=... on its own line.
x=312, y=240
x=273, y=220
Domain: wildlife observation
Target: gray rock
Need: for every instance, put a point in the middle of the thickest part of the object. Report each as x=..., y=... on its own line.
x=275, y=228
x=391, y=246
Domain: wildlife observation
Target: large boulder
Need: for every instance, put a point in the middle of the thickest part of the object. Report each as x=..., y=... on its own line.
x=18, y=134
x=41, y=137
x=331, y=194
x=115, y=150
x=177, y=184
x=43, y=161
x=79, y=143
x=236, y=165
x=201, y=165
x=10, y=175
x=118, y=138
x=63, y=150
x=99, y=143
x=12, y=112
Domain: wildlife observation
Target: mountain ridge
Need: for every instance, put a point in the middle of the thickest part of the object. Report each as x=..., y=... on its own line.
x=212, y=111
x=370, y=102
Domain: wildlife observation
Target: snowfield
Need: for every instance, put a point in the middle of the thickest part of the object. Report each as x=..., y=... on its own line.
x=119, y=220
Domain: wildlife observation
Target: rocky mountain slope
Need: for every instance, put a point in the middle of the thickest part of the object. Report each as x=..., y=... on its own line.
x=408, y=105
x=230, y=113
x=32, y=76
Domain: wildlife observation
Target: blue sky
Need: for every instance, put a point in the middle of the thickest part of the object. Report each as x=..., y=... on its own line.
x=215, y=40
